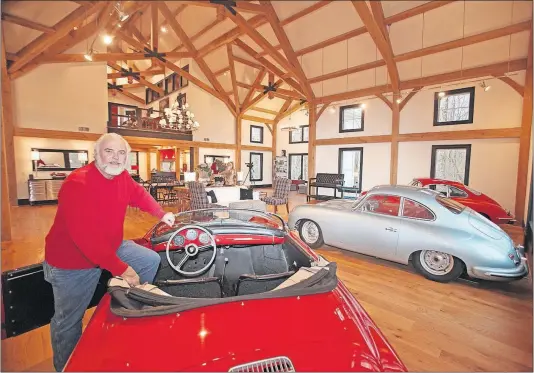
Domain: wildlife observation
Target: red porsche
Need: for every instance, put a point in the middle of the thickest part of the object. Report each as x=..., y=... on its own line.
x=469, y=197
x=236, y=291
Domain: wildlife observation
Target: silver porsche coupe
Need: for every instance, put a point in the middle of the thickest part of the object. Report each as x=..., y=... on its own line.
x=441, y=237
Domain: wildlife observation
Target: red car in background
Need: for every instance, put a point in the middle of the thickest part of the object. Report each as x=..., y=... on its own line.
x=469, y=197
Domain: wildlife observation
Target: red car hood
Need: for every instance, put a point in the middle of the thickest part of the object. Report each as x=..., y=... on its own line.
x=322, y=332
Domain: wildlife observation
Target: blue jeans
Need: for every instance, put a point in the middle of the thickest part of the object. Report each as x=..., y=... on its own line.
x=74, y=289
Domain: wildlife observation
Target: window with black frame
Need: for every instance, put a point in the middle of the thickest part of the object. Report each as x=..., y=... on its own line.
x=298, y=166
x=300, y=135
x=351, y=118
x=256, y=134
x=454, y=107
x=451, y=162
x=350, y=163
x=256, y=174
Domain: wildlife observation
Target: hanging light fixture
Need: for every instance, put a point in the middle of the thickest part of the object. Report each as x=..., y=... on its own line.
x=179, y=118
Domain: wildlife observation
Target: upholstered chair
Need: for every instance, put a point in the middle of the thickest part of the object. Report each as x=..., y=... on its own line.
x=280, y=194
x=199, y=198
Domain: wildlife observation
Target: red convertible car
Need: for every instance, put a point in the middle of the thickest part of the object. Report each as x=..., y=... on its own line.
x=236, y=291
x=469, y=197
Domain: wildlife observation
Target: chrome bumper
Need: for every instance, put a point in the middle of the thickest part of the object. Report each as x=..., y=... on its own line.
x=502, y=274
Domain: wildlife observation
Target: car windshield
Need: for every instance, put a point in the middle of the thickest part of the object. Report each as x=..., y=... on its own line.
x=450, y=204
x=474, y=191
x=222, y=216
x=416, y=183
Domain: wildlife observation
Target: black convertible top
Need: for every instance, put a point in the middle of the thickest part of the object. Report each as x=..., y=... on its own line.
x=134, y=302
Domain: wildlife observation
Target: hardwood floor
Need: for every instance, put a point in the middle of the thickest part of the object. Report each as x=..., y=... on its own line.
x=460, y=326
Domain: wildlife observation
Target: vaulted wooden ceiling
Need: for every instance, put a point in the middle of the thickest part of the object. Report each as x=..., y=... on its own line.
x=321, y=51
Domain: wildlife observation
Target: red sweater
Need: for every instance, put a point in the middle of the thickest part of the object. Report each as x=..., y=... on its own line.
x=89, y=224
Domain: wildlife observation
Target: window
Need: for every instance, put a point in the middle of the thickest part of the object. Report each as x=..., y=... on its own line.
x=455, y=192
x=256, y=173
x=381, y=204
x=350, y=165
x=351, y=118
x=450, y=204
x=439, y=188
x=256, y=134
x=455, y=107
x=299, y=136
x=415, y=210
x=298, y=166
x=451, y=162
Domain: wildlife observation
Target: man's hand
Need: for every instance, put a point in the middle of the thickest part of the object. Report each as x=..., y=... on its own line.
x=130, y=276
x=168, y=219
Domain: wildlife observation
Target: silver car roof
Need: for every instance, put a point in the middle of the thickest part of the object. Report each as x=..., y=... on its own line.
x=412, y=192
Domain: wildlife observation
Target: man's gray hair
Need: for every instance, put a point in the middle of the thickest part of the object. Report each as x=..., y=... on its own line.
x=115, y=136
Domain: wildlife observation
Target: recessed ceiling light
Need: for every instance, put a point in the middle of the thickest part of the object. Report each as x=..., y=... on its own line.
x=108, y=39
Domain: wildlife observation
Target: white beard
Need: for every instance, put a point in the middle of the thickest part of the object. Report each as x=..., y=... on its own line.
x=110, y=169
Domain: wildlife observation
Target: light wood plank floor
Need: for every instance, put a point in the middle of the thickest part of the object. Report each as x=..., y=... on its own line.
x=461, y=326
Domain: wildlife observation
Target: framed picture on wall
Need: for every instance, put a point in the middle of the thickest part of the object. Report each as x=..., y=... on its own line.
x=163, y=104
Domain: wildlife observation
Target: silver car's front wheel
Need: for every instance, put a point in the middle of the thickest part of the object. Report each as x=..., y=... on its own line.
x=437, y=266
x=311, y=234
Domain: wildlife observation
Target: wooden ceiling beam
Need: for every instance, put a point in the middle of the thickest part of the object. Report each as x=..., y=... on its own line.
x=99, y=57
x=362, y=30
x=257, y=119
x=288, y=49
x=262, y=42
x=262, y=110
x=476, y=72
x=248, y=63
x=27, y=23
x=304, y=12
x=376, y=29
x=384, y=100
x=270, y=66
x=233, y=77
x=469, y=40
x=200, y=33
x=63, y=27
x=140, y=79
x=427, y=7
x=512, y=83
x=239, y=5
x=141, y=73
x=230, y=36
x=130, y=96
x=221, y=71
x=408, y=98
x=283, y=109
x=259, y=78
x=292, y=109
x=178, y=30
x=478, y=38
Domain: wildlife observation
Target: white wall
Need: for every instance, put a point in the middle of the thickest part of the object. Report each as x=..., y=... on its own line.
x=23, y=162
x=493, y=167
x=62, y=97
x=375, y=165
x=121, y=99
x=500, y=107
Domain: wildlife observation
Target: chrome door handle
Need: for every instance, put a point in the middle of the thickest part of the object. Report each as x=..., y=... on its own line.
x=390, y=229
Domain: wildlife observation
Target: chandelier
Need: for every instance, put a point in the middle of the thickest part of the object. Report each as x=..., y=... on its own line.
x=179, y=118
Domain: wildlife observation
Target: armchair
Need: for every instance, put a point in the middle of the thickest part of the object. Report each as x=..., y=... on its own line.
x=280, y=194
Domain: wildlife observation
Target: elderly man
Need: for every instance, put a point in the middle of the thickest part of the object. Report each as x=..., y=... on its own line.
x=87, y=235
